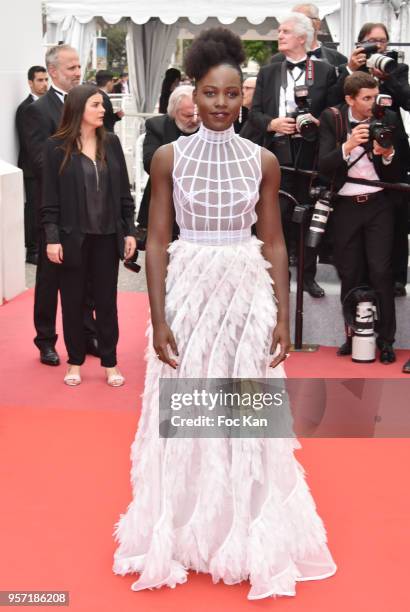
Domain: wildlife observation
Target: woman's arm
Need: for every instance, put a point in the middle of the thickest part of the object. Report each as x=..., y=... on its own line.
x=127, y=202
x=160, y=222
x=269, y=230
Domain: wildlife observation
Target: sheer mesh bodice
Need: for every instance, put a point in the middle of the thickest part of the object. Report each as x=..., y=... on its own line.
x=216, y=186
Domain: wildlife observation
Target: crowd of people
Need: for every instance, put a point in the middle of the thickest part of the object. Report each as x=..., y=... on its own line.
x=285, y=109
x=80, y=196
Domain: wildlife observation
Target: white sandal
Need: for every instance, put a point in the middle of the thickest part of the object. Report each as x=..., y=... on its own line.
x=115, y=380
x=72, y=380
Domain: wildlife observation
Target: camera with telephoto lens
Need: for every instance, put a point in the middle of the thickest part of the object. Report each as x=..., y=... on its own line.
x=304, y=124
x=320, y=216
x=385, y=62
x=379, y=129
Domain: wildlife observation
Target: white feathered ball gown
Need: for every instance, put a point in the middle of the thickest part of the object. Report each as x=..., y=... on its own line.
x=238, y=509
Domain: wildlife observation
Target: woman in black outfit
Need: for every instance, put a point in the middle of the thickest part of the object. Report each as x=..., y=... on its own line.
x=171, y=80
x=88, y=216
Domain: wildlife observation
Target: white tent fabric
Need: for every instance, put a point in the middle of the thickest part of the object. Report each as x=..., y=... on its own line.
x=227, y=11
x=72, y=32
x=149, y=48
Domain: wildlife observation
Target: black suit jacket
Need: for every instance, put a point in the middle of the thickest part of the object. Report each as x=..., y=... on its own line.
x=63, y=207
x=331, y=162
x=23, y=161
x=41, y=121
x=160, y=130
x=331, y=56
x=110, y=118
x=265, y=106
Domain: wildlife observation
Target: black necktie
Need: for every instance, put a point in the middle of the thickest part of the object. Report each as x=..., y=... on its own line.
x=292, y=65
x=316, y=52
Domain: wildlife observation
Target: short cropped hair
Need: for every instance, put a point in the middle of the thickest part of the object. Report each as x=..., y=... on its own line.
x=357, y=81
x=32, y=72
x=180, y=92
x=103, y=77
x=302, y=26
x=53, y=52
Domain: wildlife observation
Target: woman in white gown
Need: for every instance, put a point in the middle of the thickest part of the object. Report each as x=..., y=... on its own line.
x=238, y=509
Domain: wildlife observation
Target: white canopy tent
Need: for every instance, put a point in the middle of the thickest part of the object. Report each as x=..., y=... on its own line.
x=153, y=27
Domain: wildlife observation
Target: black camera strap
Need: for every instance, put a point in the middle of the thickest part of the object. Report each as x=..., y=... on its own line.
x=339, y=135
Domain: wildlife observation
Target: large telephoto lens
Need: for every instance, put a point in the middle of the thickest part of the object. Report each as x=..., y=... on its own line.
x=318, y=223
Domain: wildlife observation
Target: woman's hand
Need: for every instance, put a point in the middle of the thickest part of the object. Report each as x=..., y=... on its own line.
x=55, y=253
x=281, y=336
x=130, y=244
x=163, y=337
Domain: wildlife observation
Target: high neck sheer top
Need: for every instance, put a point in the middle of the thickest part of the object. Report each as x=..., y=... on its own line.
x=216, y=180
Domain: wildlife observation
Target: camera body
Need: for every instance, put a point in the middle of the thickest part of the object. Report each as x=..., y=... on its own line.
x=131, y=264
x=385, y=62
x=304, y=124
x=379, y=129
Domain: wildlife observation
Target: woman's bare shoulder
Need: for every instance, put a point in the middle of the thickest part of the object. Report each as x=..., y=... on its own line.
x=163, y=158
x=269, y=162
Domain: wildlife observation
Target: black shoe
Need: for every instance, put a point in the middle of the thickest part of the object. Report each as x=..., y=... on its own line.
x=32, y=258
x=313, y=289
x=92, y=347
x=399, y=290
x=406, y=367
x=387, y=354
x=346, y=348
x=49, y=356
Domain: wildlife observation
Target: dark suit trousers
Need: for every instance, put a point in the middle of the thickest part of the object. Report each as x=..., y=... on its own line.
x=30, y=220
x=46, y=298
x=401, y=238
x=363, y=246
x=99, y=266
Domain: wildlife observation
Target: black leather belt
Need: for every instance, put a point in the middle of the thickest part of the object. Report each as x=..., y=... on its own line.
x=363, y=198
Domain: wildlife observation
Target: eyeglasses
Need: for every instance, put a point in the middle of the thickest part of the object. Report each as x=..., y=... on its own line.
x=382, y=41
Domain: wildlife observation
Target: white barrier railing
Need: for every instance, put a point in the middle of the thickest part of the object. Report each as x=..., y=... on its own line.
x=12, y=270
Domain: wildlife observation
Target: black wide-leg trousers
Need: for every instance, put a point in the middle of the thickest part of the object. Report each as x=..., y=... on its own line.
x=363, y=248
x=99, y=266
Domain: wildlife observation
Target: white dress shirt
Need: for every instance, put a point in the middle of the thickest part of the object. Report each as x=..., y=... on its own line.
x=364, y=169
x=60, y=93
x=287, y=102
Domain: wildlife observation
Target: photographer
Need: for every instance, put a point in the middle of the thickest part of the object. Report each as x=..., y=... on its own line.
x=363, y=215
x=289, y=132
x=373, y=39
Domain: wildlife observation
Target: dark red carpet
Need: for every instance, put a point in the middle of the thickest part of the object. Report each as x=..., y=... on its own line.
x=64, y=480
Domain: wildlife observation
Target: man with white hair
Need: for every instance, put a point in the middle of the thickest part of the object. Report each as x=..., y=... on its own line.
x=274, y=109
x=317, y=50
x=41, y=121
x=180, y=119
